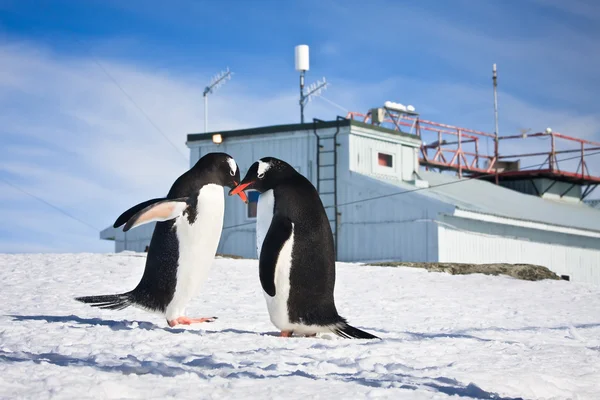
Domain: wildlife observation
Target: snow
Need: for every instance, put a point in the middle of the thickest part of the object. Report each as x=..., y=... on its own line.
x=471, y=336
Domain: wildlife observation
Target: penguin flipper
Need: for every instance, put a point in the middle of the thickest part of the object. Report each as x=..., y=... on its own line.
x=279, y=232
x=162, y=210
x=134, y=210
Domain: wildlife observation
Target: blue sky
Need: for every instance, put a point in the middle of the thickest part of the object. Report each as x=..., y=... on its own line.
x=69, y=135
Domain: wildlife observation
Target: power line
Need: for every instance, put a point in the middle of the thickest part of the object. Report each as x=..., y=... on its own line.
x=131, y=100
x=117, y=84
x=450, y=183
x=253, y=223
x=49, y=204
x=333, y=103
x=424, y=188
x=238, y=225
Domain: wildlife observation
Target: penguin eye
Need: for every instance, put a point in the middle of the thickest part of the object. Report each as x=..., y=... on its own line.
x=231, y=172
x=261, y=175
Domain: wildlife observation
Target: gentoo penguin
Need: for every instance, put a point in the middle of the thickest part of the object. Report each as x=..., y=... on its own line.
x=184, y=242
x=295, y=248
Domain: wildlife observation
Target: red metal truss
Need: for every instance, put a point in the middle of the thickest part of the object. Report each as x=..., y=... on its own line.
x=459, y=149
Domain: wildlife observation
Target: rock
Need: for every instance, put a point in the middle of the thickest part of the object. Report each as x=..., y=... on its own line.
x=528, y=272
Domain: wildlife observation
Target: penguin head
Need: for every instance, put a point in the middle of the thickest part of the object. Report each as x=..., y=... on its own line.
x=264, y=175
x=222, y=170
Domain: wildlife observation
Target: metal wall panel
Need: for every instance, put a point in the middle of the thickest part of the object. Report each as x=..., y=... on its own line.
x=398, y=227
x=580, y=264
x=363, y=152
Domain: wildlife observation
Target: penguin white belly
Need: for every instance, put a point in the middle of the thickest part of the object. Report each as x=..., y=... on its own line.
x=278, y=304
x=264, y=215
x=198, y=244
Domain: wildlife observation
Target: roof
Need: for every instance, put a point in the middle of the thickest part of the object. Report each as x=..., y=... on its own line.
x=275, y=129
x=488, y=198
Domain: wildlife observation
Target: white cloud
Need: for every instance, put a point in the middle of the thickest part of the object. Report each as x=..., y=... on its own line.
x=70, y=136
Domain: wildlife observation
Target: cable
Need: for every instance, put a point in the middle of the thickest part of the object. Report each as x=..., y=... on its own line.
x=49, y=204
x=132, y=101
x=333, y=104
x=115, y=82
x=238, y=225
x=419, y=189
x=450, y=183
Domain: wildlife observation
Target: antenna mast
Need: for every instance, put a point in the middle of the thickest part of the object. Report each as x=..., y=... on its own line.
x=315, y=89
x=495, y=79
x=216, y=82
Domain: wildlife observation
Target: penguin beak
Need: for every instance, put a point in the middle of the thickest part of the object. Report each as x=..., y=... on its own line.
x=239, y=190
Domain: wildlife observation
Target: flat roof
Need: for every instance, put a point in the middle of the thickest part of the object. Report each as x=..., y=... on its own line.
x=274, y=129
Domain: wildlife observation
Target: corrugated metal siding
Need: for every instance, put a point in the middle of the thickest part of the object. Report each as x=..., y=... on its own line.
x=582, y=265
x=397, y=227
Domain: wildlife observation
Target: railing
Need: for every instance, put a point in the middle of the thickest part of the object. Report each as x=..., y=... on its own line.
x=551, y=163
x=461, y=152
x=454, y=148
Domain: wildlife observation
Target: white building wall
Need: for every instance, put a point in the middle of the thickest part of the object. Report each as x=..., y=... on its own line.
x=398, y=227
x=364, y=146
x=579, y=263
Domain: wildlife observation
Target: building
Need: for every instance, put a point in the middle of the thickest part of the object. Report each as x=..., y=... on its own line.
x=383, y=205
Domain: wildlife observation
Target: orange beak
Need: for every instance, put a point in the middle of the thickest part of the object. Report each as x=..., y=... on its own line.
x=239, y=190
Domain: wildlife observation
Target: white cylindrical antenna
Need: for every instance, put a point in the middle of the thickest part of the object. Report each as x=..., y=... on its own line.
x=302, y=60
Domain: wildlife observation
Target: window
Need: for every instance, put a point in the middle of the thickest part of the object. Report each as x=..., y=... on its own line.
x=385, y=160
x=252, y=203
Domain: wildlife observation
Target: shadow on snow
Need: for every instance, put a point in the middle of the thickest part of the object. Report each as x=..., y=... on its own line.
x=118, y=325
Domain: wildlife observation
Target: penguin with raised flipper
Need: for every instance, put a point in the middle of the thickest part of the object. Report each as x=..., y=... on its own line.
x=184, y=242
x=296, y=254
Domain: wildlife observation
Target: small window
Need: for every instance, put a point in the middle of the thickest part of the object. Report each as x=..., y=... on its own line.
x=385, y=160
x=252, y=203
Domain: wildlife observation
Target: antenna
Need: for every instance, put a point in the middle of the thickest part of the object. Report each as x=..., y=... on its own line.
x=216, y=82
x=315, y=89
x=495, y=79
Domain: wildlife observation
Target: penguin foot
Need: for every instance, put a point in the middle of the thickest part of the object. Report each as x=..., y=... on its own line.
x=286, y=334
x=189, y=321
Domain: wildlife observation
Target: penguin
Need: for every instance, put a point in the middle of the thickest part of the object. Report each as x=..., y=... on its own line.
x=184, y=241
x=294, y=243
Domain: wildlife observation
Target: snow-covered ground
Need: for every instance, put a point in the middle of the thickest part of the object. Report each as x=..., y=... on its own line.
x=472, y=336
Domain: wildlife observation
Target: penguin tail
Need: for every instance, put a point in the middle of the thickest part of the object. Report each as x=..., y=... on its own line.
x=109, y=301
x=347, y=331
